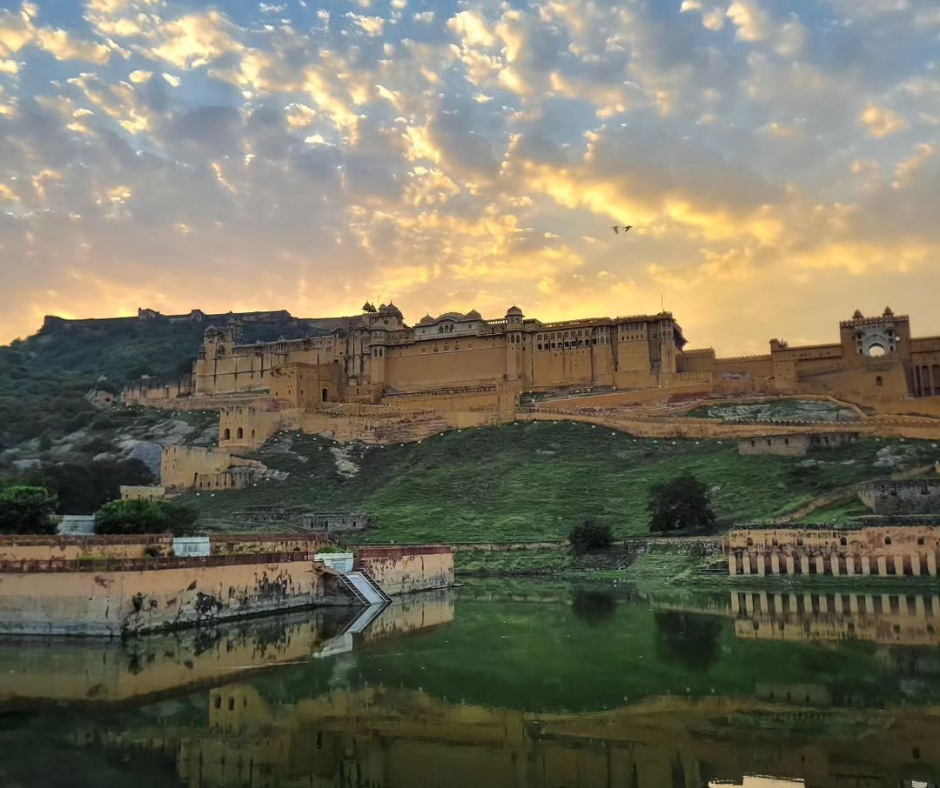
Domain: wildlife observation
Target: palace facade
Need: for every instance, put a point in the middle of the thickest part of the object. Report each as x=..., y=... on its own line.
x=376, y=354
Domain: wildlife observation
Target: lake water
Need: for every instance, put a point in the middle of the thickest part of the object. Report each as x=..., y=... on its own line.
x=522, y=684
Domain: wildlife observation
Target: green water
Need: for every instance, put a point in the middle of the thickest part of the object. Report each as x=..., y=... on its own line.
x=512, y=683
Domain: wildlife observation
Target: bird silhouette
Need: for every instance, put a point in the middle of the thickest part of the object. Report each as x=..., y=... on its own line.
x=617, y=227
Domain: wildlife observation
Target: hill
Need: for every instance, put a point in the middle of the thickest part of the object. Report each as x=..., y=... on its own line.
x=534, y=480
x=43, y=379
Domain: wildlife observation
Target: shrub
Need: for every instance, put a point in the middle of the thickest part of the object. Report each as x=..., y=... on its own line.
x=680, y=504
x=27, y=510
x=145, y=517
x=589, y=537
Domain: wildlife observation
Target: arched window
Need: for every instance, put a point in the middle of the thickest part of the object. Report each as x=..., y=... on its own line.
x=239, y=433
x=252, y=434
x=887, y=540
x=227, y=434
x=324, y=395
x=879, y=381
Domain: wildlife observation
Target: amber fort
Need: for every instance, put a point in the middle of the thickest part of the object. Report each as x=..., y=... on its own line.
x=375, y=378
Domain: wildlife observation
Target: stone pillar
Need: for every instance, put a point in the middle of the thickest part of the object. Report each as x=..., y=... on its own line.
x=778, y=604
x=885, y=604
x=823, y=603
x=746, y=563
x=882, y=565
x=919, y=607
x=760, y=564
x=935, y=606
x=866, y=565
x=794, y=606
x=899, y=565
x=807, y=603
x=834, y=563
x=853, y=604
x=869, y=604
x=790, y=565
x=932, y=564
x=763, y=602
x=735, y=603
x=837, y=602
x=774, y=564
x=820, y=565
x=749, y=604
x=915, y=565
x=850, y=565
x=732, y=564
x=804, y=563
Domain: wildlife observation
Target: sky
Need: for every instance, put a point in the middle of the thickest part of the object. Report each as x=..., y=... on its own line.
x=779, y=160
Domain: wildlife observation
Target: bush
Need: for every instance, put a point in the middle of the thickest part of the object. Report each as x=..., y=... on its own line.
x=680, y=504
x=145, y=517
x=27, y=510
x=589, y=537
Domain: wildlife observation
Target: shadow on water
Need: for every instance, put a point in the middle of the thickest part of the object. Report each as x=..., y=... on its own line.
x=523, y=685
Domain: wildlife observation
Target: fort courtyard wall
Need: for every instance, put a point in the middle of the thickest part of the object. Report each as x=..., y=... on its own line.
x=914, y=496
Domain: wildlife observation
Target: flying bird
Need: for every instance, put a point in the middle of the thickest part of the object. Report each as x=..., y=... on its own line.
x=617, y=227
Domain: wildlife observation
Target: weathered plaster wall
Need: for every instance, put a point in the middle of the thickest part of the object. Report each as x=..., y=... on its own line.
x=145, y=598
x=402, y=570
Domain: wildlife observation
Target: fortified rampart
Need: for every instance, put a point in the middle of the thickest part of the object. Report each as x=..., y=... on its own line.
x=915, y=496
x=188, y=467
x=402, y=570
x=880, y=551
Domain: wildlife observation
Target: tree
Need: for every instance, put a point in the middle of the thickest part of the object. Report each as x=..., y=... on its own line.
x=82, y=488
x=27, y=510
x=680, y=504
x=589, y=537
x=145, y=517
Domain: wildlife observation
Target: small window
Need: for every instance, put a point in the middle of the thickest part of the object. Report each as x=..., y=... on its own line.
x=879, y=381
x=227, y=434
x=324, y=395
x=920, y=540
x=887, y=540
x=239, y=433
x=843, y=541
x=750, y=542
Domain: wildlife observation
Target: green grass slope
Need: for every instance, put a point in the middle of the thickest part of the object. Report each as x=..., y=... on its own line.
x=530, y=481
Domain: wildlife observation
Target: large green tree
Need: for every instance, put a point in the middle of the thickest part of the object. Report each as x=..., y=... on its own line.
x=680, y=504
x=27, y=510
x=145, y=517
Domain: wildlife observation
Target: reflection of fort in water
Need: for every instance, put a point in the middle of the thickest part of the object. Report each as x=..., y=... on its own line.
x=380, y=738
x=898, y=619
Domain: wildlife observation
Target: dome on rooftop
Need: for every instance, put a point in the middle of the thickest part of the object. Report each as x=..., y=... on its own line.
x=391, y=309
x=474, y=315
x=426, y=320
x=858, y=315
x=888, y=312
x=514, y=310
x=451, y=316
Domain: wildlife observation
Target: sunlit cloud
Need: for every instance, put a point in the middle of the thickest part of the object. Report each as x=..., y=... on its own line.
x=778, y=163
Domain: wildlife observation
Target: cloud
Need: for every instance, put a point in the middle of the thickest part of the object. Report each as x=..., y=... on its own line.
x=473, y=156
x=881, y=121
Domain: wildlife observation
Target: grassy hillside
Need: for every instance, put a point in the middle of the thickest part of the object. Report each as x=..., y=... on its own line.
x=535, y=480
x=43, y=378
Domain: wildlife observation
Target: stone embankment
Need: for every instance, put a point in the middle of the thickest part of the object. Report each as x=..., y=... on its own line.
x=118, y=586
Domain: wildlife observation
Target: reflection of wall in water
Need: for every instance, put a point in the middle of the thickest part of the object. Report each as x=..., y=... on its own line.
x=99, y=671
x=378, y=738
x=878, y=618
